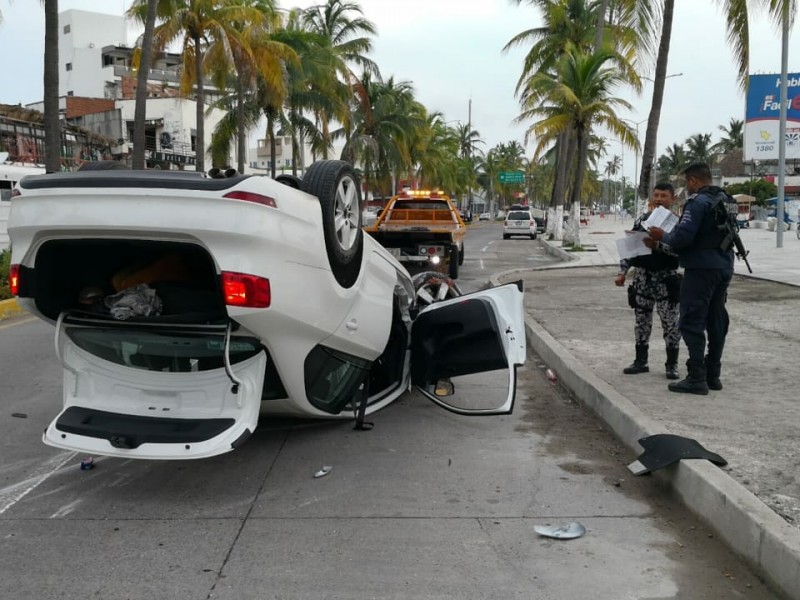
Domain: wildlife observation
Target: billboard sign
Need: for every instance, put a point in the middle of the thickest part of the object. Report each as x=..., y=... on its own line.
x=762, y=117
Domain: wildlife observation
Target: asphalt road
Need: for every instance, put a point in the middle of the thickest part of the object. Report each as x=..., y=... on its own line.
x=426, y=505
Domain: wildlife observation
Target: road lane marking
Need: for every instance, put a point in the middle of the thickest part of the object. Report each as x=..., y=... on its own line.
x=481, y=264
x=486, y=247
x=10, y=495
x=15, y=323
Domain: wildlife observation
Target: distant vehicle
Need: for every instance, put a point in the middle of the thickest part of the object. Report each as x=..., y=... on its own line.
x=484, y=217
x=466, y=215
x=184, y=306
x=520, y=222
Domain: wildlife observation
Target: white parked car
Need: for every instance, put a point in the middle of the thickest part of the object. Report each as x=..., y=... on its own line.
x=186, y=306
x=519, y=222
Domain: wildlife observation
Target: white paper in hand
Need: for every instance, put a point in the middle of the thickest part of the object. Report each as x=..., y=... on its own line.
x=633, y=244
x=662, y=218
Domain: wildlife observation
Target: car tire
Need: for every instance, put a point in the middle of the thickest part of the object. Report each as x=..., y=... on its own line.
x=533, y=236
x=505, y=237
x=454, y=261
x=431, y=287
x=335, y=184
x=461, y=256
x=291, y=180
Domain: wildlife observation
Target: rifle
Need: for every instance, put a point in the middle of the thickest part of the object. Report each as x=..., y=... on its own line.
x=730, y=229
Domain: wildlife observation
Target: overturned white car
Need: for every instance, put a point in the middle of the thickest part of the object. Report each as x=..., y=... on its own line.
x=186, y=306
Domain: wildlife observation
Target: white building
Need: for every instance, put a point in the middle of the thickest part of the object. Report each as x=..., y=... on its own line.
x=82, y=37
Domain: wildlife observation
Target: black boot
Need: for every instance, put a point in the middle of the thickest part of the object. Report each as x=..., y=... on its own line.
x=672, y=363
x=712, y=375
x=640, y=364
x=695, y=382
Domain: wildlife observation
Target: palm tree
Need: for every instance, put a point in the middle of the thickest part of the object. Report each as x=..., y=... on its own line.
x=733, y=138
x=196, y=23
x=699, y=148
x=246, y=46
x=673, y=162
x=576, y=97
x=345, y=32
x=383, y=118
x=572, y=25
x=315, y=88
x=144, y=62
x=52, y=122
x=738, y=35
x=468, y=140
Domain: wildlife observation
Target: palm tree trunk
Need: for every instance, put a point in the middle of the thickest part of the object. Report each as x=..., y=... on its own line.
x=601, y=22
x=200, y=143
x=52, y=121
x=140, y=110
x=273, y=146
x=241, y=134
x=582, y=140
x=648, y=154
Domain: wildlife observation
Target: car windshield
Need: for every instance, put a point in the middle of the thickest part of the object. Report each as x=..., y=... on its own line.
x=519, y=216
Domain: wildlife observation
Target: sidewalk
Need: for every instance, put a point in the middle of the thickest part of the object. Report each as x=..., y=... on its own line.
x=581, y=326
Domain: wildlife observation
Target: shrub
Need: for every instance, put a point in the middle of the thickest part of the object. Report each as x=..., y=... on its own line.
x=5, y=262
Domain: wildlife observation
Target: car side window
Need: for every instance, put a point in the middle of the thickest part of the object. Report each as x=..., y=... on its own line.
x=332, y=378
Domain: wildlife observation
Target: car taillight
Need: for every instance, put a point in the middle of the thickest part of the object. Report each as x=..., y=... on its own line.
x=250, y=291
x=251, y=197
x=13, y=279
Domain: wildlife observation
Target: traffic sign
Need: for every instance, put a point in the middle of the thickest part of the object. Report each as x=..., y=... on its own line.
x=511, y=176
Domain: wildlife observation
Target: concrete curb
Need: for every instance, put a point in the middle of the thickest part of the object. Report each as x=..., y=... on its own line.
x=9, y=308
x=747, y=525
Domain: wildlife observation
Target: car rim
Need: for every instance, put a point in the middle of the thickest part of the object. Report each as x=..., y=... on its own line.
x=346, y=216
x=437, y=289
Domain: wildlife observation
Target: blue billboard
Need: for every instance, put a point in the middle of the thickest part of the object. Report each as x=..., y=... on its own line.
x=762, y=117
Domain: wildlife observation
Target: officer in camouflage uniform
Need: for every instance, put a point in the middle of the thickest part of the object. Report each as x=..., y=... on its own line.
x=655, y=284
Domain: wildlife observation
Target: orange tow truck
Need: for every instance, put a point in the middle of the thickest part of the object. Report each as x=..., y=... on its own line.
x=422, y=228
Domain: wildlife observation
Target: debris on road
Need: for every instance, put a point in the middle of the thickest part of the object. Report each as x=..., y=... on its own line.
x=322, y=472
x=664, y=449
x=551, y=376
x=565, y=532
x=19, y=415
x=87, y=463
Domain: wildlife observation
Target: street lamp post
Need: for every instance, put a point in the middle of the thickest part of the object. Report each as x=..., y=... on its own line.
x=638, y=211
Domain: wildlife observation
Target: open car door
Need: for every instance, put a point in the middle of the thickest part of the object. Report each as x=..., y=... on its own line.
x=157, y=391
x=465, y=351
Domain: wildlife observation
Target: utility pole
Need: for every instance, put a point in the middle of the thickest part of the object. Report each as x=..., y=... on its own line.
x=469, y=151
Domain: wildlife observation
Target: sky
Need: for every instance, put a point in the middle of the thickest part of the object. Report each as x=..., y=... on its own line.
x=451, y=51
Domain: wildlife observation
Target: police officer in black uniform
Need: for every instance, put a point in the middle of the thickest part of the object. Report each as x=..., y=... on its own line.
x=708, y=269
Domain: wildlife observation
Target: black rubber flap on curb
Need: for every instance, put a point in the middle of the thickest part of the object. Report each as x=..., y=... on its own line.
x=664, y=449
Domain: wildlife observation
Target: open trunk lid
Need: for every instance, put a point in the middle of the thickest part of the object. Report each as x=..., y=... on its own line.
x=158, y=390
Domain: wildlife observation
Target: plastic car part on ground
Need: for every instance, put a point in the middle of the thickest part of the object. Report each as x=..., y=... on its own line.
x=664, y=449
x=323, y=471
x=569, y=531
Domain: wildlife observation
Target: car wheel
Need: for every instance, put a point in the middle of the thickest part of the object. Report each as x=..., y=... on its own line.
x=334, y=183
x=533, y=236
x=461, y=256
x=431, y=287
x=291, y=180
x=505, y=237
x=454, y=261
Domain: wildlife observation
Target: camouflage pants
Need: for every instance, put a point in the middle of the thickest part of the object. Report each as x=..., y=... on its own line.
x=652, y=292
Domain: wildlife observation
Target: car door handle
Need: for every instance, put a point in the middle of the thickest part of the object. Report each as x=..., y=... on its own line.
x=352, y=325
